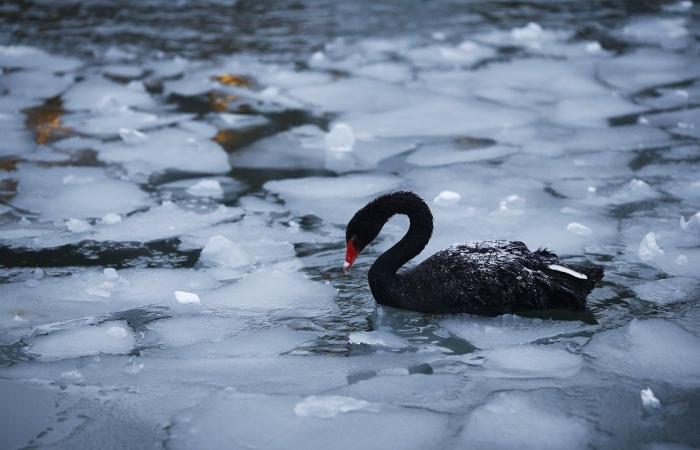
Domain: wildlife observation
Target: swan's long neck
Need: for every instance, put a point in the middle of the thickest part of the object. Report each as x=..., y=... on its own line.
x=414, y=241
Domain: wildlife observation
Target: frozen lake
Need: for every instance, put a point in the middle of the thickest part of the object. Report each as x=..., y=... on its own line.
x=175, y=181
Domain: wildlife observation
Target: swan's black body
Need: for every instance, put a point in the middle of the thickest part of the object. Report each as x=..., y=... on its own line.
x=489, y=277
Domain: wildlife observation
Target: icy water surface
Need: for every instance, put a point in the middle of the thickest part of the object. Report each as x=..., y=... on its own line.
x=175, y=179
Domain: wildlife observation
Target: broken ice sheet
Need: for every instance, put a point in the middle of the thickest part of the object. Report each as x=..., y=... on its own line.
x=320, y=196
x=256, y=414
x=51, y=193
x=654, y=349
x=168, y=148
x=513, y=420
x=508, y=329
x=113, y=337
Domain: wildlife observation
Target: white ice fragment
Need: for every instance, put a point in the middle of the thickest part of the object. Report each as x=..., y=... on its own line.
x=87, y=340
x=693, y=222
x=593, y=47
x=71, y=180
x=649, y=400
x=317, y=58
x=206, y=188
x=513, y=205
x=682, y=260
x=439, y=36
x=328, y=406
x=379, y=338
x=130, y=136
x=447, y=198
x=111, y=218
x=221, y=252
x=567, y=271
x=530, y=32
x=187, y=298
x=580, y=229
x=648, y=248
x=117, y=332
x=516, y=420
x=72, y=375
x=110, y=273
x=78, y=225
x=340, y=138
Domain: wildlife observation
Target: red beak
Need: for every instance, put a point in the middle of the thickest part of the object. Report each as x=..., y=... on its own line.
x=350, y=255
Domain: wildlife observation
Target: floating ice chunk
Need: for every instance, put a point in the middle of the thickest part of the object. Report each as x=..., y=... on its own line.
x=132, y=136
x=206, y=188
x=323, y=196
x=272, y=289
x=649, y=400
x=187, y=298
x=112, y=120
x=170, y=148
x=447, y=198
x=78, y=225
x=649, y=349
x=377, y=337
x=432, y=155
x=328, y=406
x=98, y=94
x=580, y=229
x=111, y=219
x=43, y=191
x=691, y=224
x=221, y=252
x=34, y=84
x=118, y=332
x=211, y=424
x=593, y=47
x=114, y=337
x=340, y=138
x=358, y=95
x=667, y=290
x=512, y=205
x=681, y=260
x=531, y=31
x=110, y=273
x=669, y=33
x=437, y=117
x=530, y=361
x=386, y=71
x=20, y=56
x=648, y=248
x=634, y=191
x=164, y=221
x=645, y=67
x=123, y=70
x=513, y=420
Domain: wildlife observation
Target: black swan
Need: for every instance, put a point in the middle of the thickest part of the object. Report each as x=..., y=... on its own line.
x=489, y=277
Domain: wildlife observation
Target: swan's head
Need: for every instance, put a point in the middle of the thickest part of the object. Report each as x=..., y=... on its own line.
x=363, y=228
